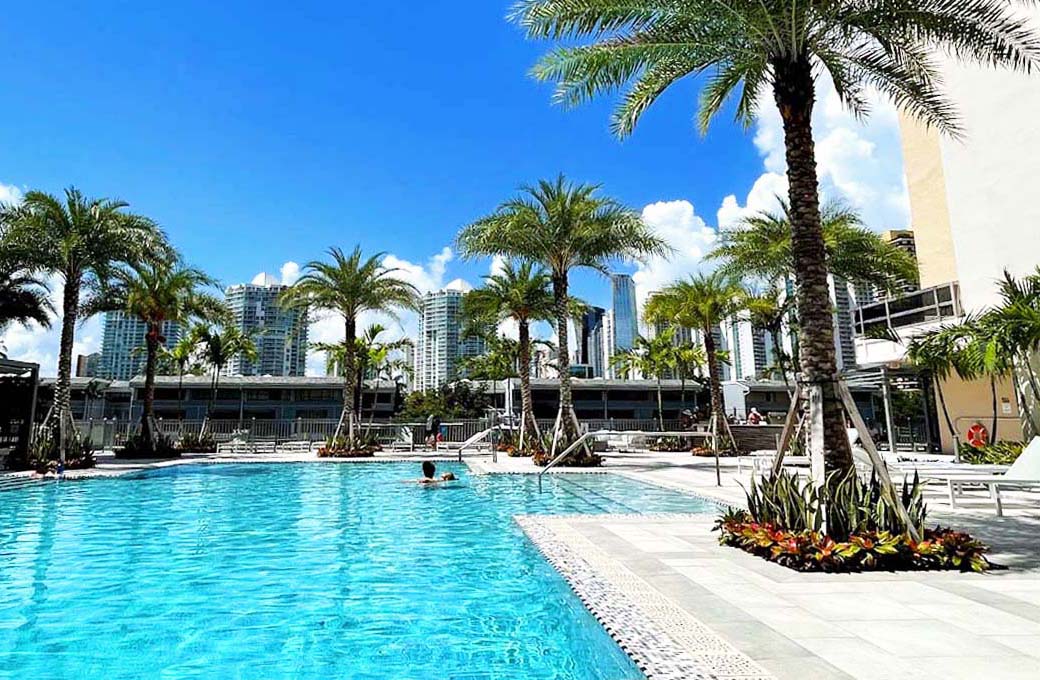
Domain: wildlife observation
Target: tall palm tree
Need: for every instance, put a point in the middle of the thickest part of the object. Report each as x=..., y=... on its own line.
x=761, y=246
x=562, y=226
x=934, y=353
x=347, y=286
x=23, y=298
x=701, y=301
x=160, y=292
x=82, y=240
x=180, y=356
x=780, y=47
x=651, y=358
x=521, y=293
x=219, y=345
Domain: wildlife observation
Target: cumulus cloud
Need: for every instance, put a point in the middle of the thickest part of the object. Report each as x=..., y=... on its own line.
x=290, y=272
x=678, y=223
x=40, y=345
x=10, y=193
x=858, y=161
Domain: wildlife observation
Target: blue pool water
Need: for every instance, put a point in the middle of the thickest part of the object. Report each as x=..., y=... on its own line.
x=300, y=571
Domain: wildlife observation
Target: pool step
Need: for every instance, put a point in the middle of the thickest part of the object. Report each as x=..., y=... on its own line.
x=16, y=481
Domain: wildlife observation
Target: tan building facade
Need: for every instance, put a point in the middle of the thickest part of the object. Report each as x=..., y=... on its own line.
x=975, y=212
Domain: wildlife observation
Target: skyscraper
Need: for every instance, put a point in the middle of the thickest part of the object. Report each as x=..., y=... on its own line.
x=122, y=345
x=280, y=335
x=442, y=346
x=626, y=318
x=590, y=336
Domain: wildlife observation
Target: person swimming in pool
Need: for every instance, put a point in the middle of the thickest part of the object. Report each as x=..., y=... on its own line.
x=429, y=471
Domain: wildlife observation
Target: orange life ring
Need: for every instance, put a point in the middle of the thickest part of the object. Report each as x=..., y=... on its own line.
x=978, y=436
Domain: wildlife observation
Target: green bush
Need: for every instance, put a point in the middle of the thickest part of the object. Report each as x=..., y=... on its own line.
x=785, y=519
x=137, y=447
x=998, y=453
x=43, y=456
x=194, y=443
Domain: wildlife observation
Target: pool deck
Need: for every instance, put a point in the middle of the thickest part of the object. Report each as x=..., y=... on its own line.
x=683, y=606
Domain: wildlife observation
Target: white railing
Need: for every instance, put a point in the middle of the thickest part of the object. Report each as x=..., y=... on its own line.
x=612, y=433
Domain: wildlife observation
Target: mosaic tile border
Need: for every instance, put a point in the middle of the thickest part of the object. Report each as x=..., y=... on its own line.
x=665, y=641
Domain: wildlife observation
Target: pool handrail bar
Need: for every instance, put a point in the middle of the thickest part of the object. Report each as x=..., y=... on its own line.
x=601, y=433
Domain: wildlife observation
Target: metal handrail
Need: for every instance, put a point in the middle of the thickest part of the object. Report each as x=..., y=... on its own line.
x=600, y=433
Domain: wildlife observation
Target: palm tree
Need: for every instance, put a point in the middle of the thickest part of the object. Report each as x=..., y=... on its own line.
x=347, y=286
x=82, y=240
x=520, y=293
x=687, y=360
x=701, y=301
x=781, y=47
x=771, y=311
x=562, y=226
x=761, y=246
x=219, y=346
x=1014, y=326
x=180, y=355
x=23, y=299
x=159, y=292
x=934, y=353
x=651, y=358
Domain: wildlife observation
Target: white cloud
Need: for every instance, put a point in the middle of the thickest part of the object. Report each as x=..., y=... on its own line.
x=679, y=224
x=858, y=161
x=40, y=345
x=10, y=193
x=290, y=272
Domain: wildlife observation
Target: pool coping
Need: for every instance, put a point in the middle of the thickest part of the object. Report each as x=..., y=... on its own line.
x=664, y=640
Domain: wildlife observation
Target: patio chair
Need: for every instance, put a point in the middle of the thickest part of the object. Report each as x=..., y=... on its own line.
x=1024, y=473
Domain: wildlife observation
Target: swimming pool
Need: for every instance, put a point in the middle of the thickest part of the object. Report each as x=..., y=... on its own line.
x=300, y=571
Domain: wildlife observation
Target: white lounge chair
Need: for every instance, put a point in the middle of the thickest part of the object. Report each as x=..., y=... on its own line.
x=1023, y=473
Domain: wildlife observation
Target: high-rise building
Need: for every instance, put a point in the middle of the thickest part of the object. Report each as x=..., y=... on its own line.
x=442, y=347
x=280, y=334
x=626, y=317
x=123, y=345
x=608, y=344
x=590, y=336
x=87, y=365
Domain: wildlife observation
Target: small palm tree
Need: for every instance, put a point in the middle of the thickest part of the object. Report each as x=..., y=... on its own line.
x=180, y=357
x=347, y=286
x=935, y=353
x=160, y=293
x=82, y=240
x=687, y=361
x=219, y=346
x=750, y=47
x=563, y=227
x=651, y=358
x=771, y=311
x=702, y=302
x=520, y=293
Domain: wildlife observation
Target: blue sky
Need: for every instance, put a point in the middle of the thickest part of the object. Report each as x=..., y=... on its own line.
x=258, y=134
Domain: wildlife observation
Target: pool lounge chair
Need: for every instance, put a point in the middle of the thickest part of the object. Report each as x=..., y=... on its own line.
x=1024, y=473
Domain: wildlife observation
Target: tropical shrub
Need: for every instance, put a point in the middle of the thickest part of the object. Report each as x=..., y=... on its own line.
x=43, y=456
x=580, y=457
x=137, y=446
x=997, y=453
x=669, y=444
x=194, y=443
x=338, y=447
x=784, y=523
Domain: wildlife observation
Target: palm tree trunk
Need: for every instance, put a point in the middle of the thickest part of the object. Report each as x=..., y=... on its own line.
x=70, y=312
x=563, y=361
x=530, y=425
x=993, y=392
x=180, y=391
x=151, y=354
x=946, y=413
x=718, y=405
x=660, y=404
x=349, y=374
x=794, y=93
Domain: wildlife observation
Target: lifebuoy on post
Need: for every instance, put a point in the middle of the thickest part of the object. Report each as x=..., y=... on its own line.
x=978, y=435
